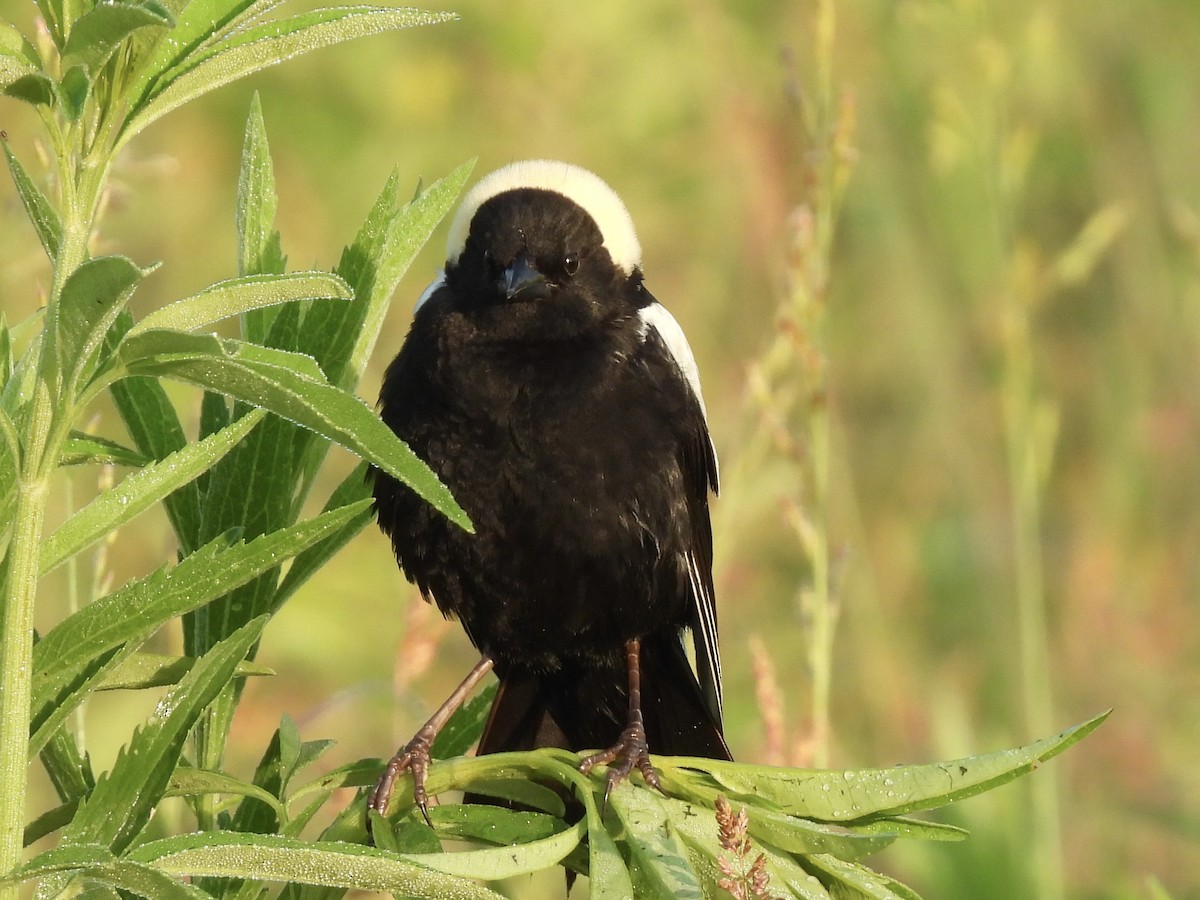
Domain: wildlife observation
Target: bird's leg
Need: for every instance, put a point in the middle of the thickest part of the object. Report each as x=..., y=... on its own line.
x=631, y=748
x=414, y=756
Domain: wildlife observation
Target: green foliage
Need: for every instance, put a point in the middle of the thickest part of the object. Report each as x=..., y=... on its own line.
x=275, y=397
x=111, y=70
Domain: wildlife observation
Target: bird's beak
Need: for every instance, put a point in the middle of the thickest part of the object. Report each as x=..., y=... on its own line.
x=523, y=281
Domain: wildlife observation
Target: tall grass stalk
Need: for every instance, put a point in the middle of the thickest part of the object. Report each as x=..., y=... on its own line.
x=789, y=381
x=1029, y=427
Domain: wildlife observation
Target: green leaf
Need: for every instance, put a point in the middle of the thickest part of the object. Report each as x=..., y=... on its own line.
x=91, y=864
x=40, y=211
x=493, y=824
x=465, y=726
x=850, y=879
x=139, y=671
x=197, y=22
x=697, y=826
x=909, y=828
x=49, y=718
x=59, y=859
x=10, y=450
x=256, y=205
x=291, y=386
x=96, y=34
x=124, y=798
x=143, y=605
x=83, y=449
x=850, y=795
x=496, y=863
x=249, y=50
x=69, y=769
x=656, y=851
x=380, y=256
x=154, y=427
x=526, y=793
x=275, y=858
x=36, y=89
x=189, y=782
x=73, y=91
x=139, y=491
x=49, y=822
x=91, y=300
x=354, y=488
x=18, y=57
x=239, y=295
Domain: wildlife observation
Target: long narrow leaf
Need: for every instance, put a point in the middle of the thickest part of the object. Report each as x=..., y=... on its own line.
x=199, y=21
x=274, y=858
x=142, y=881
x=146, y=670
x=147, y=603
x=189, y=782
x=304, y=397
x=239, y=295
x=354, y=488
x=405, y=235
x=48, y=719
x=139, y=491
x=41, y=213
x=845, y=796
x=124, y=798
x=154, y=426
x=89, y=449
x=256, y=205
x=248, y=51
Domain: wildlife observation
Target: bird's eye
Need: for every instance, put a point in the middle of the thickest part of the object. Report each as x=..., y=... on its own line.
x=570, y=263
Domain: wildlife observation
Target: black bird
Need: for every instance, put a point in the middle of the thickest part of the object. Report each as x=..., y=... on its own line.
x=560, y=403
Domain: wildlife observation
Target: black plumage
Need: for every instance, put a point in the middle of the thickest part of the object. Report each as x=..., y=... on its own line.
x=545, y=386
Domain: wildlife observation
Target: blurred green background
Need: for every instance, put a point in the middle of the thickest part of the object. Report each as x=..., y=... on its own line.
x=1025, y=188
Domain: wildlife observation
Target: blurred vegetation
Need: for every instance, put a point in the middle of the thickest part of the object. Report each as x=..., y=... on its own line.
x=1016, y=270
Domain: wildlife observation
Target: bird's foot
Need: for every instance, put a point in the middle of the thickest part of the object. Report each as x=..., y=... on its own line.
x=413, y=757
x=629, y=752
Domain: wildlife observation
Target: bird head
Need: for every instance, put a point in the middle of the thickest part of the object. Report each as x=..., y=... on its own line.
x=542, y=250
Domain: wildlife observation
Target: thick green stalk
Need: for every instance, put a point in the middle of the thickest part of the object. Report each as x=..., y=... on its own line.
x=16, y=642
x=49, y=425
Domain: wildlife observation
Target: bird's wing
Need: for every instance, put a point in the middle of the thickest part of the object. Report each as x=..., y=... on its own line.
x=699, y=461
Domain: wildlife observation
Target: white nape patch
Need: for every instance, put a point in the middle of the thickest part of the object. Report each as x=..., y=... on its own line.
x=578, y=184
x=659, y=318
x=429, y=291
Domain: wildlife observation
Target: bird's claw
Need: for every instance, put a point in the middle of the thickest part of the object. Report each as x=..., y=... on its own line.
x=414, y=758
x=629, y=752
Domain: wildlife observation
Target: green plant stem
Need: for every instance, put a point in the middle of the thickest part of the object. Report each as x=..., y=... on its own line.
x=49, y=424
x=16, y=649
x=1024, y=449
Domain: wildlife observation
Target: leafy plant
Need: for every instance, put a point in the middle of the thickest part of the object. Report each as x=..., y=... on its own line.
x=274, y=398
